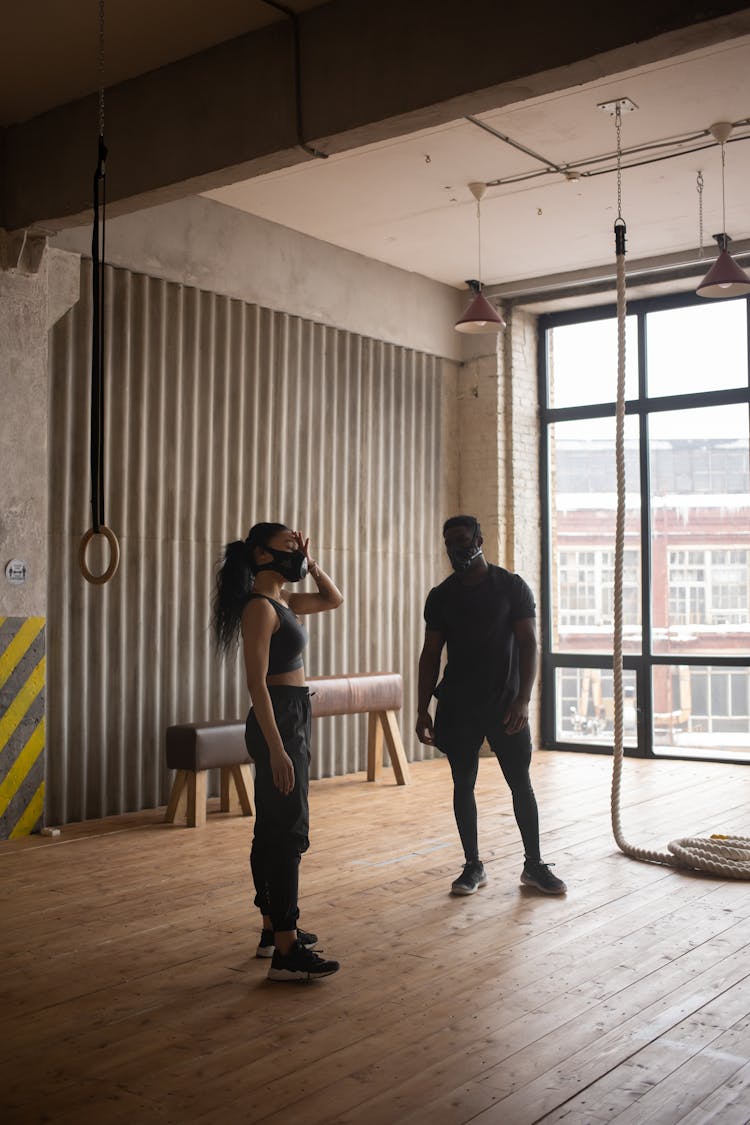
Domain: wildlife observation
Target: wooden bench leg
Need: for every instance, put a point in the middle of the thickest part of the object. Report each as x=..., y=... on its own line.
x=395, y=746
x=243, y=779
x=196, y=799
x=230, y=801
x=177, y=806
x=237, y=790
x=374, y=746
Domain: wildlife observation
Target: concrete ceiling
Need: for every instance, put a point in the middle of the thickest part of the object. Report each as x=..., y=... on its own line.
x=406, y=201
x=50, y=49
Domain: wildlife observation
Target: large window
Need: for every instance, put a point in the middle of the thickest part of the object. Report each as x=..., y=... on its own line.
x=686, y=595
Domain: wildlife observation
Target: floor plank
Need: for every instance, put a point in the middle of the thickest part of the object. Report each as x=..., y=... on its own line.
x=130, y=990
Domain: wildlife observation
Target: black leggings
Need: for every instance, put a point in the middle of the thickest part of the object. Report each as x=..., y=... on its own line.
x=281, y=822
x=459, y=733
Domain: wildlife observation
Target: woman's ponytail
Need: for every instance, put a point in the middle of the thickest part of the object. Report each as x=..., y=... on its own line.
x=234, y=584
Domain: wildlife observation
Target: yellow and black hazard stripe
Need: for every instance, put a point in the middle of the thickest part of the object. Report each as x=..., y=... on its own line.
x=22, y=673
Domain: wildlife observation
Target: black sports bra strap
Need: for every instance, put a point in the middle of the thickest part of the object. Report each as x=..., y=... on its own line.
x=276, y=605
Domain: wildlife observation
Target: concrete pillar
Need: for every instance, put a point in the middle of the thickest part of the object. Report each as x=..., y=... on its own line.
x=37, y=286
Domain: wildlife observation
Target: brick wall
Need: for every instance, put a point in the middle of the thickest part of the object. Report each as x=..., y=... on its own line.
x=481, y=464
x=498, y=450
x=523, y=541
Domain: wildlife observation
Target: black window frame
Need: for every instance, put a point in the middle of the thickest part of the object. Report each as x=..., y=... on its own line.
x=642, y=663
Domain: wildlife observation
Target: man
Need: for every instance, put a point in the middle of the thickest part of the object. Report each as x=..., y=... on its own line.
x=486, y=617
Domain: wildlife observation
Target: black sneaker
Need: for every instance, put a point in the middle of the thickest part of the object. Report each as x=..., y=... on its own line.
x=471, y=879
x=538, y=874
x=266, y=945
x=300, y=964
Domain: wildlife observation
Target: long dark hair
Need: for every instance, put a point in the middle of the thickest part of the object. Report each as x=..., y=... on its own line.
x=234, y=583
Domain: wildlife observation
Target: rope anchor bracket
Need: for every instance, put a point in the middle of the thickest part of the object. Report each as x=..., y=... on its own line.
x=625, y=105
x=620, y=232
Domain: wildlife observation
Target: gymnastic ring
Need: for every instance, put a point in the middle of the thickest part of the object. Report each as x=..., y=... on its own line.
x=114, y=555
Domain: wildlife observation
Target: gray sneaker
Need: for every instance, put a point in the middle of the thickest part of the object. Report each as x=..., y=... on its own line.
x=471, y=879
x=538, y=874
x=300, y=964
x=266, y=947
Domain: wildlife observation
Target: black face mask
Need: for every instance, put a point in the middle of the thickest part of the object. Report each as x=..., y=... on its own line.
x=461, y=558
x=292, y=565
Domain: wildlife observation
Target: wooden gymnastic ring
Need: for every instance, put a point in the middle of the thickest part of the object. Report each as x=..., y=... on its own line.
x=114, y=555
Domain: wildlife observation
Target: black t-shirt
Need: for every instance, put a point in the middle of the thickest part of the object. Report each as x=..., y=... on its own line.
x=476, y=624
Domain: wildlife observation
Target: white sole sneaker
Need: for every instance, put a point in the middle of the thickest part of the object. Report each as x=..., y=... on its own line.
x=529, y=881
x=458, y=890
x=298, y=974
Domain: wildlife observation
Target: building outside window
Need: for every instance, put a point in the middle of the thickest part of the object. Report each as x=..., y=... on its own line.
x=708, y=587
x=586, y=588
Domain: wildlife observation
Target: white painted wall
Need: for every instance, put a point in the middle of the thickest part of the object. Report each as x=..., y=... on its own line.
x=206, y=244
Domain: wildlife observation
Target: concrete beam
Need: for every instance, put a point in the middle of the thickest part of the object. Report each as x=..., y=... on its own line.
x=601, y=279
x=371, y=69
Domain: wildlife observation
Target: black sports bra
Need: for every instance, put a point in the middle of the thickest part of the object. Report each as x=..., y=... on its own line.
x=288, y=642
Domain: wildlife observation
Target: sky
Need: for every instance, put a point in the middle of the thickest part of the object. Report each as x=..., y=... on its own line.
x=692, y=349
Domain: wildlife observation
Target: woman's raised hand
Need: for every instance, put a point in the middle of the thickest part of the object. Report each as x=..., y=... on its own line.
x=302, y=544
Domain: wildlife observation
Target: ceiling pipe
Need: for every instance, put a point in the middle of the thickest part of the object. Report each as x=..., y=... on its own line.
x=293, y=16
x=641, y=271
x=582, y=169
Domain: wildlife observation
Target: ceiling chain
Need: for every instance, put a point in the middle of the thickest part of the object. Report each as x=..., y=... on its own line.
x=699, y=189
x=101, y=68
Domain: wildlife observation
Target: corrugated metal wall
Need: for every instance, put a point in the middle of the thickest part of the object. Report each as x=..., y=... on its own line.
x=220, y=414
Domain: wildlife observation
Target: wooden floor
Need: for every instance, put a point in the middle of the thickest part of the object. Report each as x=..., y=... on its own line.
x=130, y=992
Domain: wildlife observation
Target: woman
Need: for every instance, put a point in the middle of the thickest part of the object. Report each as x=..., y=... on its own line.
x=250, y=599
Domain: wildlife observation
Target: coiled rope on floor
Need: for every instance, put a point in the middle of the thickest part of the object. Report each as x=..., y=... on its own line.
x=727, y=856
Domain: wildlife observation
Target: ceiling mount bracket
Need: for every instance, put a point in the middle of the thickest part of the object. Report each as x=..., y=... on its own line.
x=721, y=131
x=625, y=105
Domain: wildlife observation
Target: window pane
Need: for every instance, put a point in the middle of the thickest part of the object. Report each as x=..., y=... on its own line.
x=700, y=348
x=582, y=549
x=585, y=706
x=582, y=362
x=700, y=533
x=701, y=710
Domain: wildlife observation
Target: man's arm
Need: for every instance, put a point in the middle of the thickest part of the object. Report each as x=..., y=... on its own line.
x=517, y=715
x=429, y=670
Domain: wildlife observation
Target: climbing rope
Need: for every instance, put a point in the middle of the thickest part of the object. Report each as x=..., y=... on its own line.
x=728, y=856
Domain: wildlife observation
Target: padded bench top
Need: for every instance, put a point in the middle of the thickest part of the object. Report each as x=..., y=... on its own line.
x=209, y=745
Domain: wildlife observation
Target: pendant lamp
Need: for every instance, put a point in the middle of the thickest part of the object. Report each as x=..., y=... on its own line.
x=480, y=316
x=725, y=278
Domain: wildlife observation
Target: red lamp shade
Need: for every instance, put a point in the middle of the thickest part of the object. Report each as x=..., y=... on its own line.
x=480, y=317
x=724, y=279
